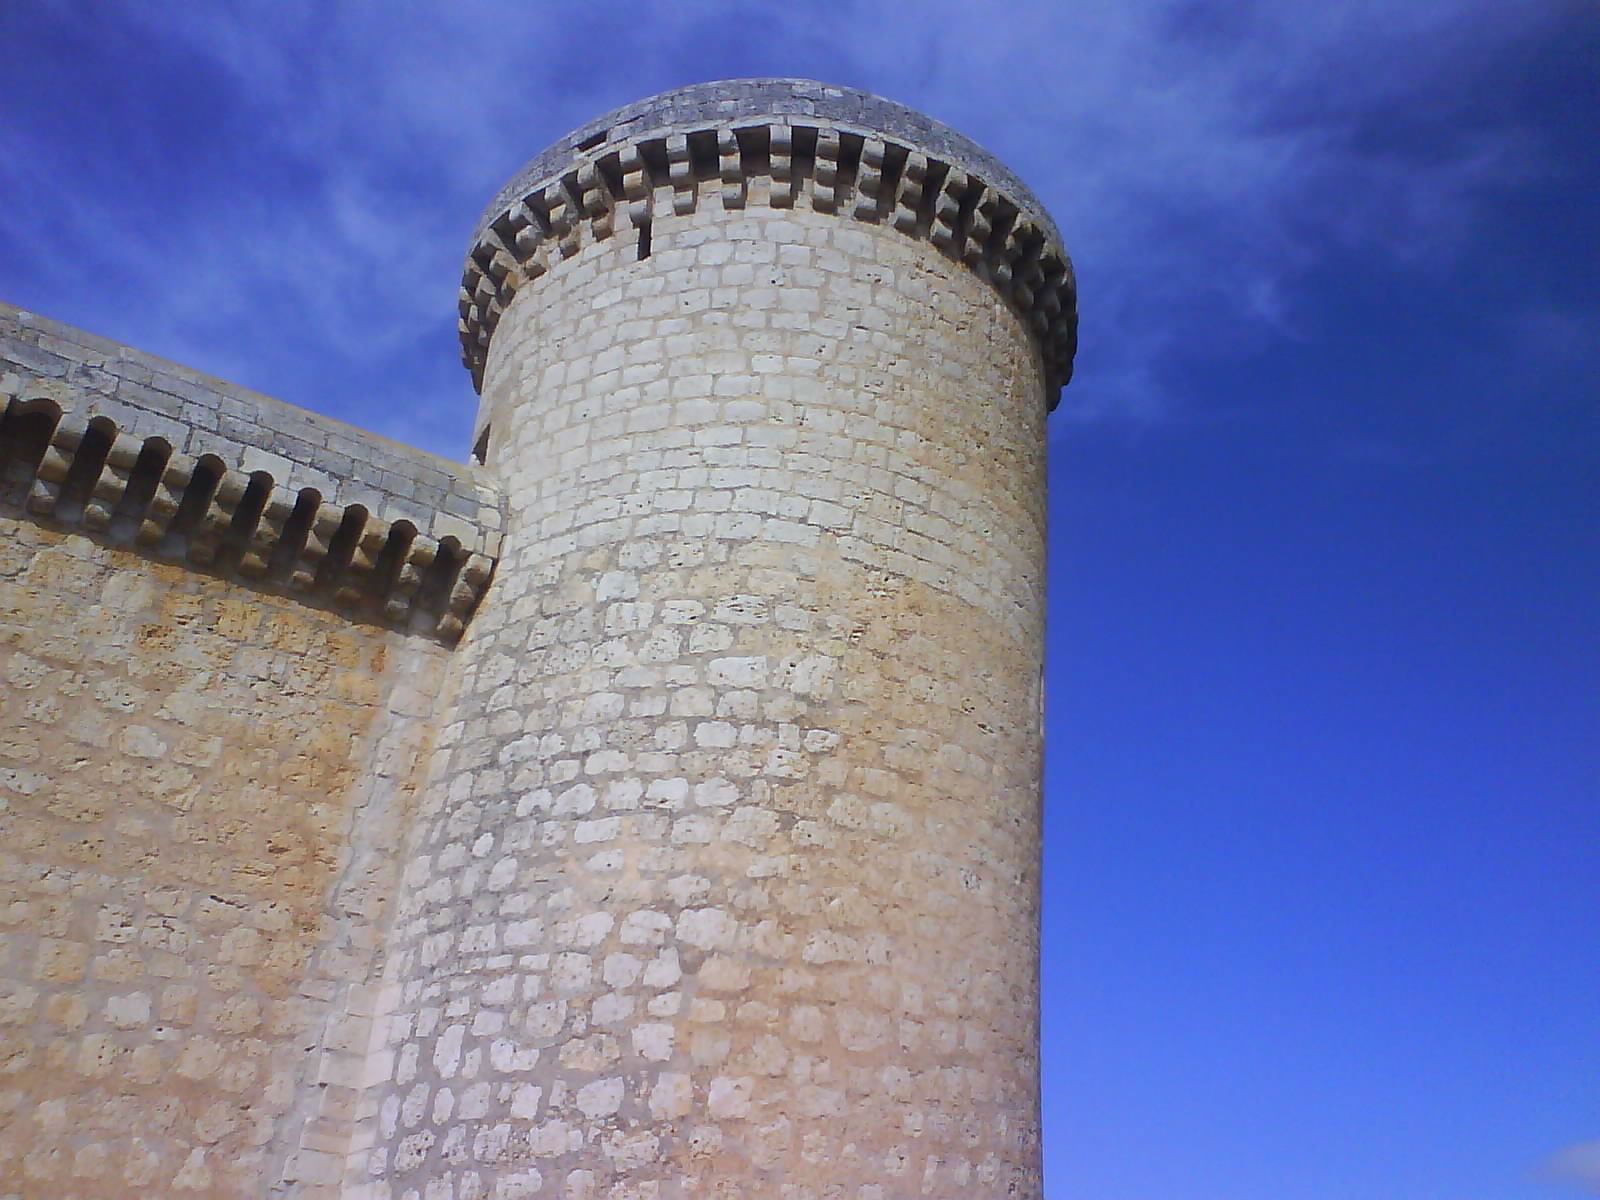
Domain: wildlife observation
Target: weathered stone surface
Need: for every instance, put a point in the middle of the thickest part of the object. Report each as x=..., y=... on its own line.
x=735, y=838
x=650, y=809
x=146, y=397
x=202, y=795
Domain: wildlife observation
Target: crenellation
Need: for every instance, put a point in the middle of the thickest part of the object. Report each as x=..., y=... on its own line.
x=241, y=483
x=847, y=155
x=146, y=397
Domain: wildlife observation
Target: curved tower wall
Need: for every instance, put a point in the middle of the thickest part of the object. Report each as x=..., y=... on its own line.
x=727, y=883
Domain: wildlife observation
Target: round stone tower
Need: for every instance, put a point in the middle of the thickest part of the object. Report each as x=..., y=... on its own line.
x=726, y=884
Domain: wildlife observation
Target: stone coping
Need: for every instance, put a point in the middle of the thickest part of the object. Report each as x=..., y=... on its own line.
x=199, y=414
x=787, y=143
x=805, y=101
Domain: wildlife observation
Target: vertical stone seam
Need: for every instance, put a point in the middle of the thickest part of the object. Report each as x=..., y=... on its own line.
x=348, y=1055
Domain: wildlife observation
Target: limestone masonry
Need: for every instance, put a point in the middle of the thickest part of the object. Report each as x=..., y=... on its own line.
x=646, y=810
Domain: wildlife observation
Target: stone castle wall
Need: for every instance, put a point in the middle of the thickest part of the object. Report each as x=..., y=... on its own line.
x=649, y=809
x=222, y=652
x=203, y=791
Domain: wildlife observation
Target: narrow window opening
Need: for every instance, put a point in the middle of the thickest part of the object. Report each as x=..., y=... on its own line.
x=644, y=239
x=480, y=448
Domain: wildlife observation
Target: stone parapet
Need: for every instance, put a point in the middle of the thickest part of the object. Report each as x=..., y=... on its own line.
x=784, y=143
x=180, y=465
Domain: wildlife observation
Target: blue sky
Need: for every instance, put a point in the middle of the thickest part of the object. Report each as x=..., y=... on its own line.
x=1323, y=771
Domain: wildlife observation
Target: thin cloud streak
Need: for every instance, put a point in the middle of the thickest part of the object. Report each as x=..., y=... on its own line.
x=1578, y=1166
x=1198, y=166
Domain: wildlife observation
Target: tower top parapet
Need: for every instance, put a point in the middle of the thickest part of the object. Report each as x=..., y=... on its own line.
x=779, y=142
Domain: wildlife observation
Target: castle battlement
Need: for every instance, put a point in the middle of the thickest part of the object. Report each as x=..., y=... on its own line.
x=172, y=462
x=782, y=143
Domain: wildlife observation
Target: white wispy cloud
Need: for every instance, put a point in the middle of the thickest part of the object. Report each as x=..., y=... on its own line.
x=1577, y=1165
x=1199, y=165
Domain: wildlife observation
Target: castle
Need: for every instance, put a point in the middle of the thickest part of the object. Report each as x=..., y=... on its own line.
x=648, y=808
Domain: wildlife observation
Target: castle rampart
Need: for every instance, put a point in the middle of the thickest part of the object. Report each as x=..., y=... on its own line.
x=220, y=620
x=648, y=809
x=196, y=467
